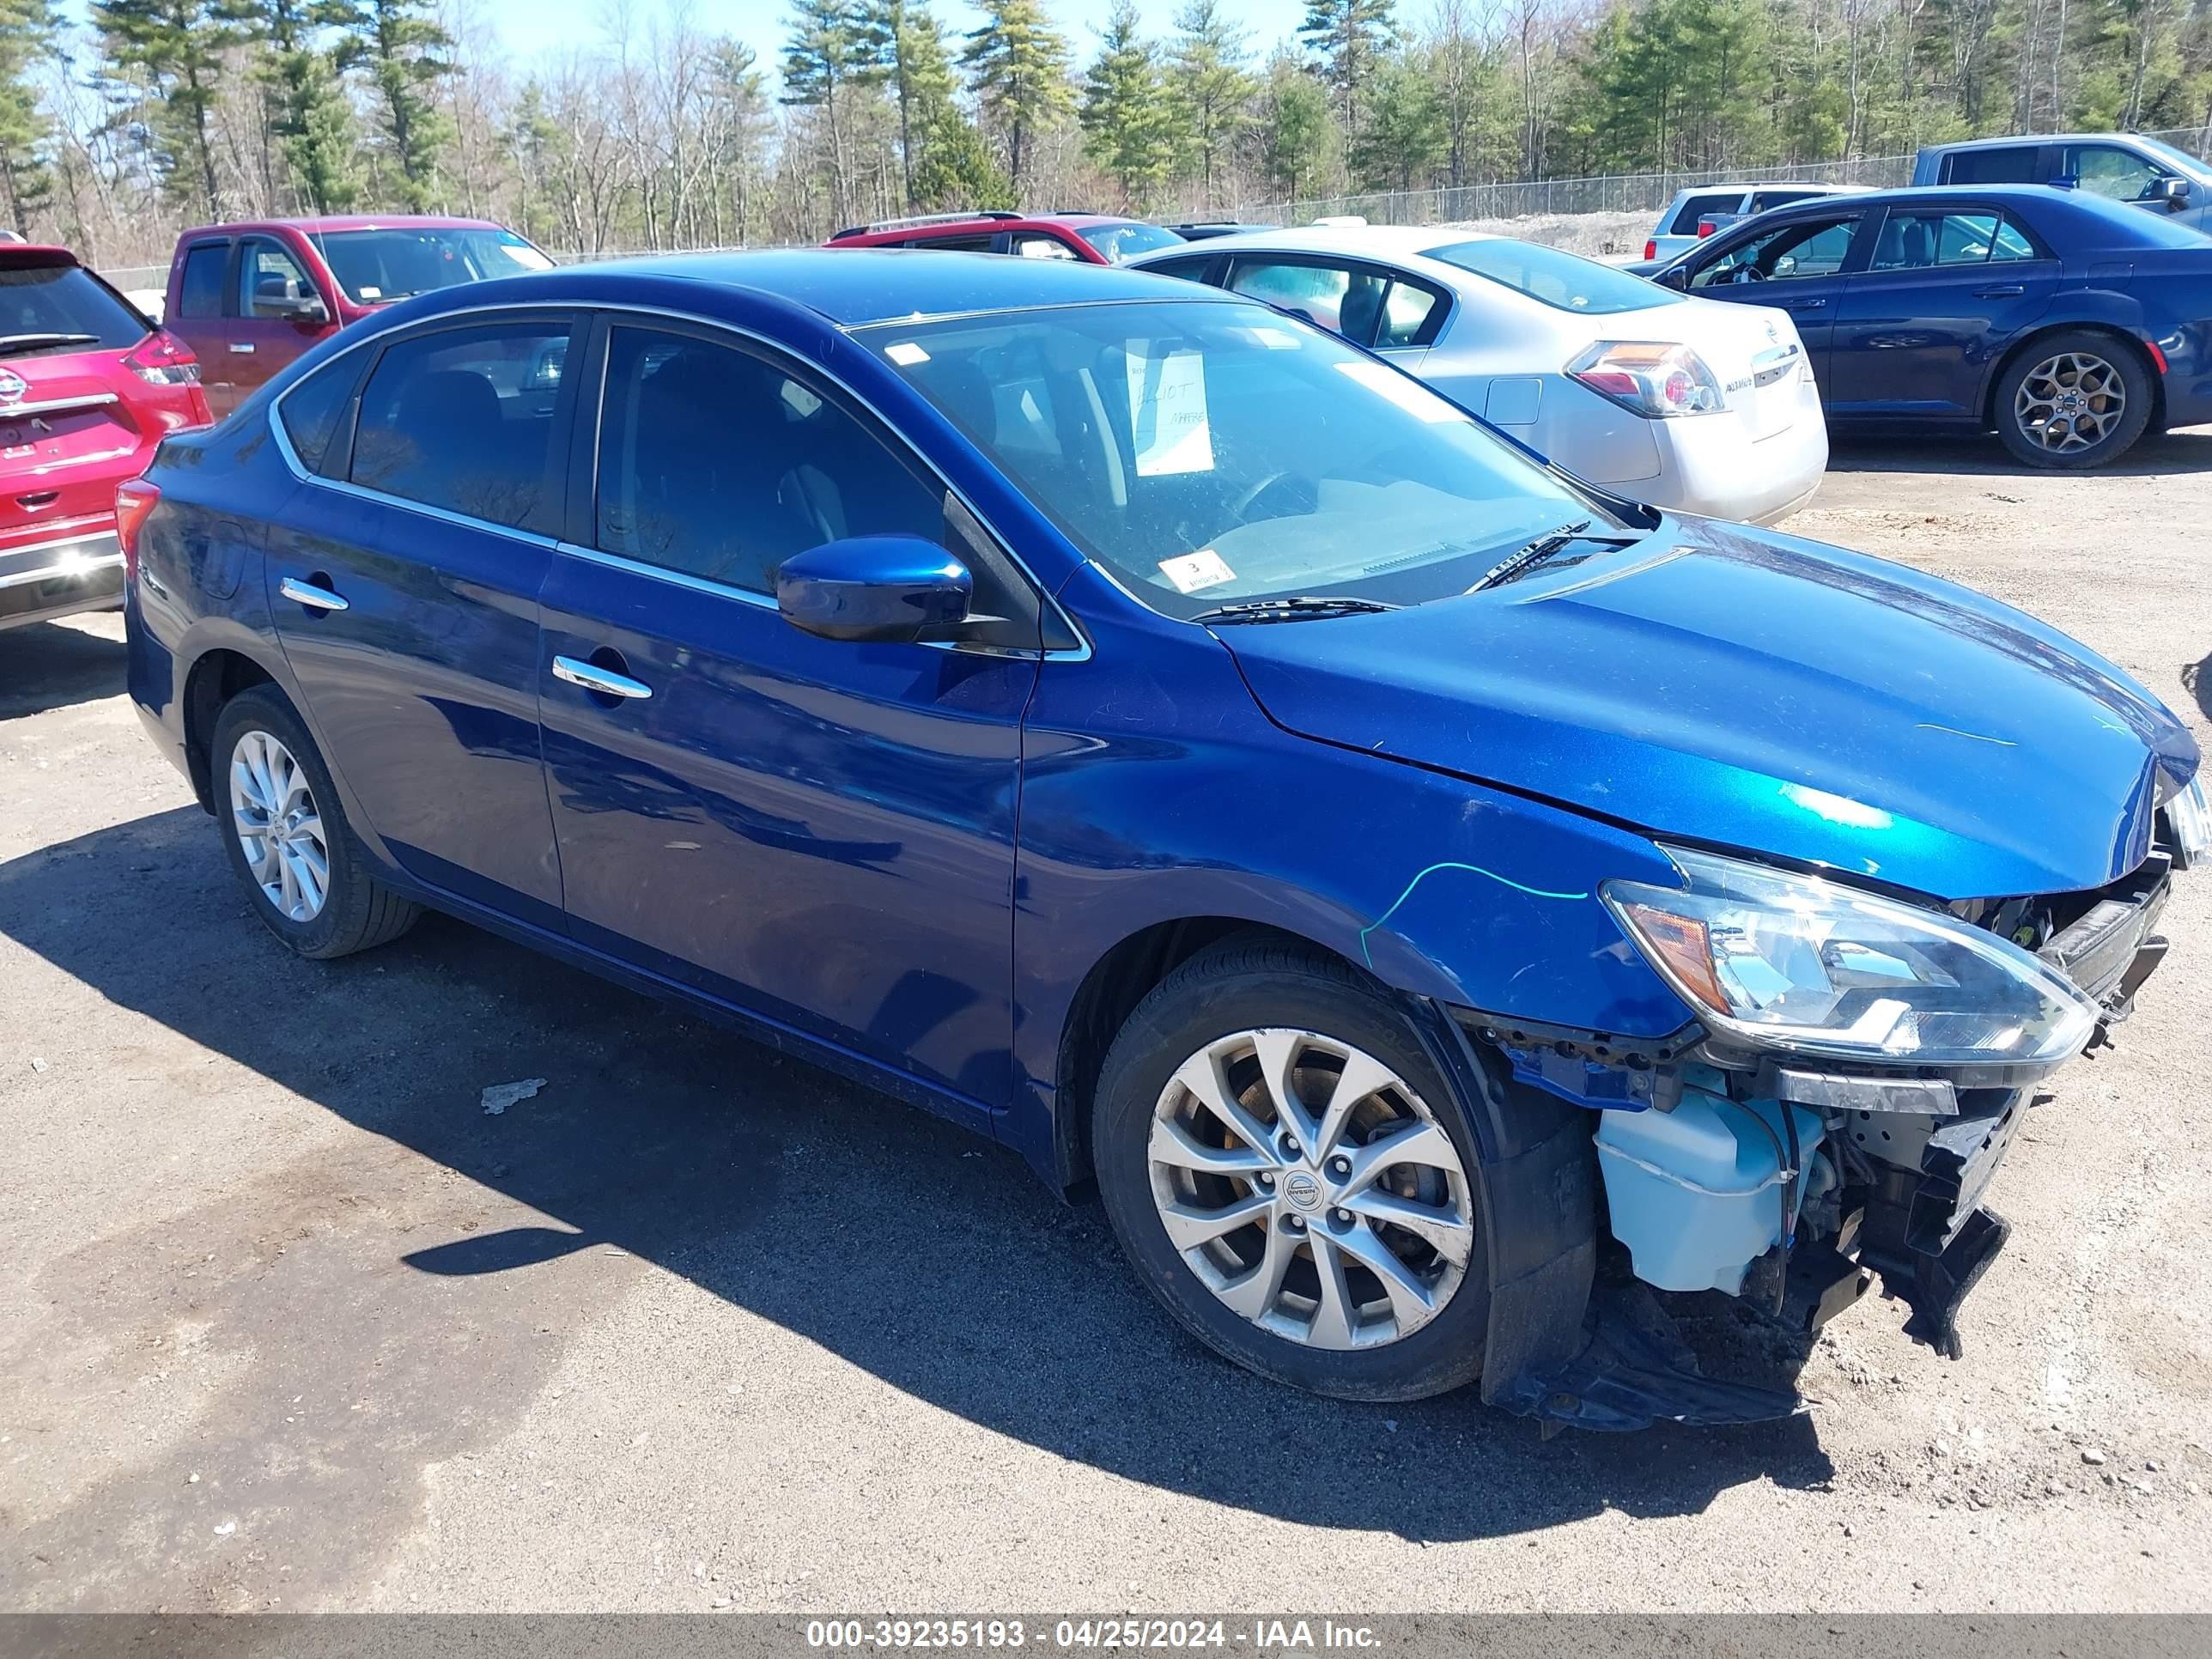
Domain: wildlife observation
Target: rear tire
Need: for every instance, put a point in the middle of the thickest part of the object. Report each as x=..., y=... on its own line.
x=287, y=837
x=1303, y=1291
x=2076, y=399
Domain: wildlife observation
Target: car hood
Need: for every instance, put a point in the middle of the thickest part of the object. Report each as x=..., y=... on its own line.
x=1739, y=689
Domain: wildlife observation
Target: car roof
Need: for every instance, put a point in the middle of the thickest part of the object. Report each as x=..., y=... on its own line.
x=2038, y=138
x=1772, y=184
x=331, y=224
x=941, y=225
x=853, y=287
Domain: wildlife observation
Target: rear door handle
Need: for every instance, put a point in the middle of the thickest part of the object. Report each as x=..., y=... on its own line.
x=242, y=347
x=2009, y=291
x=307, y=594
x=1803, y=305
x=592, y=677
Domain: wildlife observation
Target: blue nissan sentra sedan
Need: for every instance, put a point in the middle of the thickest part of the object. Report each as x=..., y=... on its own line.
x=1159, y=736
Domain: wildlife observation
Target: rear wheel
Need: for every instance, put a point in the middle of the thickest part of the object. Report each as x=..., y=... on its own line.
x=2073, y=399
x=1294, y=1179
x=287, y=835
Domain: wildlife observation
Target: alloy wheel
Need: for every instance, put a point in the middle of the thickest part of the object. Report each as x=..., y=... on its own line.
x=273, y=813
x=2070, y=402
x=1311, y=1188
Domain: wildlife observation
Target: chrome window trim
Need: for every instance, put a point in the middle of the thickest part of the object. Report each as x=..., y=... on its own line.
x=612, y=311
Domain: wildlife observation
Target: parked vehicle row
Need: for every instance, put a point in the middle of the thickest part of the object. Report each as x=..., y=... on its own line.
x=2067, y=322
x=1156, y=730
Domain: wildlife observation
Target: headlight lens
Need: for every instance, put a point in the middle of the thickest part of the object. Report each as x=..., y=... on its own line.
x=2190, y=815
x=1816, y=968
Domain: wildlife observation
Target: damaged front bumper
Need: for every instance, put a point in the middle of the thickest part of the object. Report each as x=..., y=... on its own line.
x=1888, y=1189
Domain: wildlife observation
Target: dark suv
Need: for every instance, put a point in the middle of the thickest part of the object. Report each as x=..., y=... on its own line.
x=1094, y=239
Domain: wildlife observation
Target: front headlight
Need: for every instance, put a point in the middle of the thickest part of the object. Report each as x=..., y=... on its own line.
x=2191, y=816
x=1815, y=968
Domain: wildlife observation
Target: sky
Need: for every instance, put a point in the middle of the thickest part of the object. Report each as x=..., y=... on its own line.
x=528, y=27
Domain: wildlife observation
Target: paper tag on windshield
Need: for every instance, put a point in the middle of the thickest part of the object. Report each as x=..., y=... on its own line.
x=1167, y=413
x=1204, y=569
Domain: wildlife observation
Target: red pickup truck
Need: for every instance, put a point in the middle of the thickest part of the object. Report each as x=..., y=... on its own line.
x=247, y=298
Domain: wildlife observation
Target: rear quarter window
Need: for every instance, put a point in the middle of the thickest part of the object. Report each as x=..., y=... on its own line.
x=312, y=410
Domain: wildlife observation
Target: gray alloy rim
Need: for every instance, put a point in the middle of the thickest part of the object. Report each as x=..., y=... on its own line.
x=273, y=813
x=1311, y=1188
x=2071, y=402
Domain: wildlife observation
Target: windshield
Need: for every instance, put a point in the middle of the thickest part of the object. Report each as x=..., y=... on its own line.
x=60, y=308
x=1127, y=239
x=1562, y=280
x=377, y=266
x=1206, y=451
x=2183, y=164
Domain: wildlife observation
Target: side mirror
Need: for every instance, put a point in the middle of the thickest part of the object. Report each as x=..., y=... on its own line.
x=872, y=587
x=2171, y=191
x=308, y=309
x=1675, y=277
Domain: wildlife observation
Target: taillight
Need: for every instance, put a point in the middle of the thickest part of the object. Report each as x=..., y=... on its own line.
x=163, y=359
x=1651, y=377
x=134, y=498
x=1651, y=249
x=1706, y=227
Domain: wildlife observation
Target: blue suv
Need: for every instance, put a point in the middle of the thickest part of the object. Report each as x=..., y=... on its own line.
x=1436, y=902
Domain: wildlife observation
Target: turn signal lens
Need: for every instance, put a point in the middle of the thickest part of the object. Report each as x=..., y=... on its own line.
x=1652, y=377
x=134, y=498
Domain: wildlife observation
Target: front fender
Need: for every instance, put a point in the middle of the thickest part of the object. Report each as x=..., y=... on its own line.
x=1444, y=889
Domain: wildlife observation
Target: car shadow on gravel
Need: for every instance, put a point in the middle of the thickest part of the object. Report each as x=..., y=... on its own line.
x=899, y=1243
x=2188, y=450
x=48, y=665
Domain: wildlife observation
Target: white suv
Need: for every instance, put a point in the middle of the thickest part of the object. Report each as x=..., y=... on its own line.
x=1696, y=213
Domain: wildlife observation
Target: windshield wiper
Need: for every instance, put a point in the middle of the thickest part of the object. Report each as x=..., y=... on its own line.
x=1292, y=610
x=27, y=342
x=1521, y=564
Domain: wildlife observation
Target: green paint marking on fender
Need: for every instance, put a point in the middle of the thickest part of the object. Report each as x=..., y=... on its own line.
x=1474, y=869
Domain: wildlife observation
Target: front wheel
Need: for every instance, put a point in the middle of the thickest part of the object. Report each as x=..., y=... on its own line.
x=2075, y=399
x=1294, y=1179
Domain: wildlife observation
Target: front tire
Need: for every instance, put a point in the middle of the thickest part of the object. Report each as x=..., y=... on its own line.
x=2073, y=399
x=287, y=836
x=1294, y=1179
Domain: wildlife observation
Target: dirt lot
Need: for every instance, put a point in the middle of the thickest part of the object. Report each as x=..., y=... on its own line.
x=288, y=1321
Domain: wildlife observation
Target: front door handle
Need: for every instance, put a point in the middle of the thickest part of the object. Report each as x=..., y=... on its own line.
x=1803, y=305
x=592, y=677
x=242, y=347
x=2009, y=291
x=307, y=594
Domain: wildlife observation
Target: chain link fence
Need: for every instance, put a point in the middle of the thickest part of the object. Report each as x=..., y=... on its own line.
x=1618, y=192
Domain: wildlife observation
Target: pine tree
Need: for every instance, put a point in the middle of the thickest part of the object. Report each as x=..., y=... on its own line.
x=826, y=56
x=1124, y=125
x=179, y=46
x=954, y=169
x=1018, y=65
x=1349, y=37
x=1209, y=89
x=1405, y=136
x=906, y=43
x=404, y=49
x=310, y=115
x=1294, y=129
x=28, y=28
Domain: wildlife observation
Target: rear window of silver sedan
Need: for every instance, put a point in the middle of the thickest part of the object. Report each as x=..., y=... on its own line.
x=1563, y=280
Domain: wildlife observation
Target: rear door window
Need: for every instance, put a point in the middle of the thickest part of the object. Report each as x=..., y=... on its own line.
x=1347, y=300
x=462, y=419
x=2005, y=164
x=200, y=293
x=1921, y=242
x=955, y=244
x=62, y=308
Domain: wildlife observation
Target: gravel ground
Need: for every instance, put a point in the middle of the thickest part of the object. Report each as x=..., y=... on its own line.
x=288, y=1321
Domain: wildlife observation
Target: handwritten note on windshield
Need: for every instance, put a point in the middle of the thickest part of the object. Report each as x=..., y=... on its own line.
x=1167, y=412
